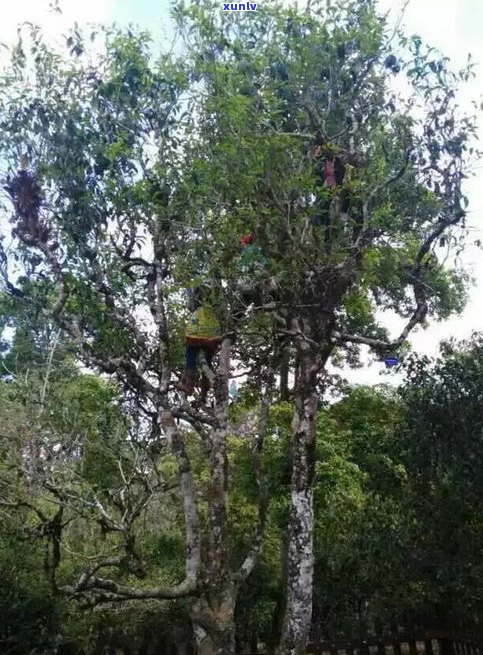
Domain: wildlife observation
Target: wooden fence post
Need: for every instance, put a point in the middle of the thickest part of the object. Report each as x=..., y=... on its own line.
x=396, y=644
x=446, y=646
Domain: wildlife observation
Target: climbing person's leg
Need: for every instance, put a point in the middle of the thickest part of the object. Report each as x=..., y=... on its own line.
x=322, y=211
x=210, y=353
x=190, y=375
x=346, y=200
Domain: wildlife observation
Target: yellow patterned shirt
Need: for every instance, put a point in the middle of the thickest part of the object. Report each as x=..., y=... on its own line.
x=203, y=327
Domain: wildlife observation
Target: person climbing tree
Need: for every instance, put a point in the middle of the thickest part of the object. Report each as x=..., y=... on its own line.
x=203, y=332
x=202, y=335
x=334, y=170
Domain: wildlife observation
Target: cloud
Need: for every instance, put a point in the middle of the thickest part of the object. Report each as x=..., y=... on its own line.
x=451, y=27
x=53, y=24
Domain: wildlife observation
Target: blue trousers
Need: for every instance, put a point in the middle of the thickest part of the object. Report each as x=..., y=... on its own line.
x=192, y=356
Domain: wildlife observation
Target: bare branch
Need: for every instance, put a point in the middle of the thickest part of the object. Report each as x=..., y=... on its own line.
x=124, y=592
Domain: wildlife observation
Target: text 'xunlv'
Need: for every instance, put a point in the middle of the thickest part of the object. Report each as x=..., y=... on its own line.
x=240, y=6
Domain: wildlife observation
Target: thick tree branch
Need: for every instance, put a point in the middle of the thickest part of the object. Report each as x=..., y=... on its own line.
x=188, y=488
x=124, y=592
x=157, y=308
x=365, y=233
x=218, y=565
x=266, y=401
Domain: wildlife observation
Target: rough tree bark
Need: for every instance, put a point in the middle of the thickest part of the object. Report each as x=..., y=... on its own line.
x=213, y=609
x=212, y=616
x=300, y=556
x=212, y=612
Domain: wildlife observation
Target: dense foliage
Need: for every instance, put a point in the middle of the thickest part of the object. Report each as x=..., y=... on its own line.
x=136, y=516
x=398, y=534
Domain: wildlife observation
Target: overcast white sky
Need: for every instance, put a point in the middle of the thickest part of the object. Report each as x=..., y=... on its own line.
x=53, y=24
x=454, y=26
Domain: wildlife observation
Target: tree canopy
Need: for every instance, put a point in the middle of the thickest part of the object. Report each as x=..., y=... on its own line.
x=300, y=172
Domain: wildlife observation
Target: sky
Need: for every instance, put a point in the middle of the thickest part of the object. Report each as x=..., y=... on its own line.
x=454, y=26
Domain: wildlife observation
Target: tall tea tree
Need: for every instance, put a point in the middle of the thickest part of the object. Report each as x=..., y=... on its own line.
x=151, y=174
x=280, y=95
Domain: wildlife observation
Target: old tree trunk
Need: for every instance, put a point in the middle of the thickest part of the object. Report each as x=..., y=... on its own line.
x=300, y=555
x=212, y=616
x=212, y=611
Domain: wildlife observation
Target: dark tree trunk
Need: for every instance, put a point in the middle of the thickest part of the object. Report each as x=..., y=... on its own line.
x=214, y=624
x=213, y=612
